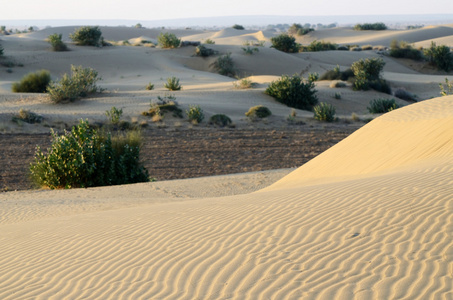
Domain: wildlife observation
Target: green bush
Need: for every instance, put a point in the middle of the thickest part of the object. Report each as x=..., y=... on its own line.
x=313, y=76
x=243, y=84
x=324, y=112
x=370, y=26
x=319, y=46
x=209, y=42
x=81, y=83
x=336, y=74
x=367, y=74
x=168, y=40
x=285, y=43
x=55, y=40
x=298, y=29
x=250, y=50
x=258, y=111
x=293, y=92
x=378, y=106
x=439, y=56
x=167, y=105
x=33, y=83
x=149, y=86
x=238, y=27
x=195, y=113
x=172, y=84
x=84, y=157
x=114, y=115
x=87, y=36
x=220, y=120
x=448, y=89
x=203, y=51
x=404, y=50
x=224, y=65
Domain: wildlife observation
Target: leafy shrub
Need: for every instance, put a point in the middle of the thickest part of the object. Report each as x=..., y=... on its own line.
x=285, y=43
x=149, y=86
x=337, y=96
x=167, y=104
x=313, y=76
x=224, y=65
x=243, y=84
x=298, y=29
x=440, y=56
x=27, y=116
x=404, y=50
x=81, y=83
x=238, y=27
x=378, y=106
x=250, y=50
x=56, y=42
x=114, y=115
x=195, y=113
x=370, y=26
x=209, y=42
x=258, y=111
x=336, y=74
x=324, y=112
x=380, y=85
x=172, y=84
x=203, y=51
x=367, y=74
x=87, y=36
x=293, y=92
x=405, y=95
x=319, y=46
x=84, y=157
x=448, y=89
x=33, y=83
x=168, y=40
x=220, y=120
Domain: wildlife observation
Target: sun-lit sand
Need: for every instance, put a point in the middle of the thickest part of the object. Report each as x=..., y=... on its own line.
x=370, y=218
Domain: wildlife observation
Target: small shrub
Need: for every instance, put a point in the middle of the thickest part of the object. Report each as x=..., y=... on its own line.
x=168, y=40
x=337, y=96
x=378, y=106
x=166, y=105
x=366, y=71
x=250, y=50
x=258, y=111
x=285, y=43
x=440, y=56
x=209, y=42
x=33, y=83
x=172, y=84
x=114, y=115
x=380, y=85
x=343, y=48
x=337, y=84
x=336, y=74
x=293, y=92
x=316, y=46
x=404, y=50
x=355, y=117
x=27, y=117
x=1, y=50
x=87, y=36
x=203, y=51
x=313, y=77
x=224, y=65
x=56, y=42
x=405, y=95
x=149, y=86
x=355, y=49
x=324, y=112
x=367, y=47
x=370, y=26
x=448, y=89
x=238, y=27
x=220, y=120
x=195, y=114
x=298, y=29
x=243, y=84
x=84, y=157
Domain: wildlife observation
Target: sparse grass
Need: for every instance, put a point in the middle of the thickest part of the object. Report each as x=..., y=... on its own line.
x=33, y=83
x=355, y=117
x=149, y=86
x=448, y=89
x=367, y=47
x=173, y=84
x=337, y=96
x=378, y=106
x=336, y=74
x=316, y=46
x=259, y=112
x=324, y=112
x=404, y=50
x=243, y=84
x=313, y=77
x=250, y=50
x=209, y=42
x=220, y=120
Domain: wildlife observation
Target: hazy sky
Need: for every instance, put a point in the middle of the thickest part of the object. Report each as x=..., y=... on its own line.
x=172, y=9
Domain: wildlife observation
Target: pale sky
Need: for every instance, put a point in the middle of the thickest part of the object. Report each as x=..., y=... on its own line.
x=174, y=9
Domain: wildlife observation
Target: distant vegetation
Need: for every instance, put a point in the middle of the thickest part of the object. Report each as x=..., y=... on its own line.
x=55, y=40
x=87, y=36
x=33, y=83
x=168, y=40
x=439, y=56
x=370, y=26
x=285, y=43
x=238, y=27
x=379, y=106
x=298, y=29
x=401, y=49
x=319, y=46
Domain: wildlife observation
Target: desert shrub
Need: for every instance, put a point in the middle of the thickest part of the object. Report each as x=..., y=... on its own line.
x=342, y=48
x=367, y=74
x=243, y=84
x=293, y=92
x=324, y=112
x=298, y=29
x=1, y=50
x=439, y=56
x=224, y=65
x=380, y=85
x=319, y=46
x=209, y=42
x=195, y=114
x=404, y=94
x=285, y=43
x=258, y=111
x=336, y=74
x=87, y=36
x=370, y=26
x=337, y=96
x=448, y=89
x=250, y=50
x=313, y=76
x=84, y=157
x=404, y=50
x=355, y=48
x=220, y=120
x=27, y=117
x=238, y=27
x=337, y=84
x=168, y=40
x=203, y=51
x=114, y=115
x=149, y=86
x=33, y=83
x=166, y=104
x=172, y=84
x=378, y=106
x=367, y=47
x=55, y=40
x=81, y=83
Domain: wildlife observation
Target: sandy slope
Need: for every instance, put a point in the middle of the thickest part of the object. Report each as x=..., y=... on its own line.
x=381, y=230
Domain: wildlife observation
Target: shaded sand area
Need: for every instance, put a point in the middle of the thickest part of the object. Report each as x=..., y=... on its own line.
x=378, y=225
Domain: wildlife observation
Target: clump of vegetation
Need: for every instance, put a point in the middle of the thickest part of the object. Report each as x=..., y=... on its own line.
x=378, y=106
x=324, y=112
x=250, y=50
x=84, y=157
x=172, y=84
x=1, y=50
x=337, y=84
x=114, y=115
x=195, y=114
x=243, y=84
x=27, y=117
x=319, y=46
x=87, y=36
x=313, y=76
x=404, y=94
x=367, y=47
x=298, y=29
x=294, y=92
x=258, y=111
x=285, y=43
x=404, y=50
x=166, y=104
x=224, y=65
x=439, y=56
x=367, y=74
x=202, y=51
x=220, y=120
x=254, y=43
x=337, y=96
x=81, y=83
x=336, y=74
x=209, y=42
x=55, y=40
x=448, y=89
x=238, y=27
x=149, y=86
x=370, y=26
x=33, y=83
x=168, y=40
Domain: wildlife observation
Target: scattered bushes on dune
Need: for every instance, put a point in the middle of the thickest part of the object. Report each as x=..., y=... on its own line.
x=298, y=29
x=33, y=83
x=379, y=106
x=370, y=26
x=404, y=50
x=27, y=117
x=336, y=74
x=87, y=36
x=55, y=40
x=203, y=51
x=439, y=56
x=285, y=43
x=367, y=74
x=168, y=40
x=319, y=46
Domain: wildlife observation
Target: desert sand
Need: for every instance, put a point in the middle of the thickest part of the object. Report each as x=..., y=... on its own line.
x=370, y=218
